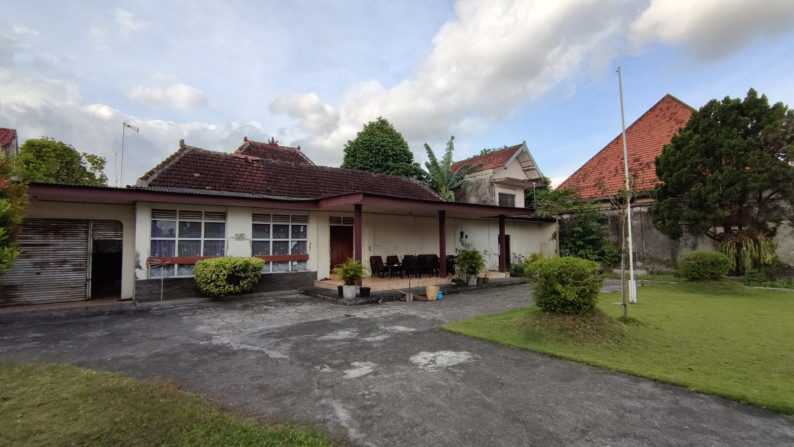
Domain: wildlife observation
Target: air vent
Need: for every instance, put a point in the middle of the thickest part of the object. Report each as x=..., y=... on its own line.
x=215, y=215
x=281, y=218
x=261, y=218
x=164, y=214
x=300, y=219
x=189, y=215
x=337, y=220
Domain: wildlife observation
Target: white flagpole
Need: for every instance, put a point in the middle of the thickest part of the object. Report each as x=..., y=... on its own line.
x=632, y=283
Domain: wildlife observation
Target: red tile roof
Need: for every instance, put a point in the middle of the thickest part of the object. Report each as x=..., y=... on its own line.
x=604, y=174
x=7, y=136
x=199, y=169
x=272, y=151
x=490, y=160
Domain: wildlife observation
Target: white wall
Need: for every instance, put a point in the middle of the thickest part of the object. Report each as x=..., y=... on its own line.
x=95, y=211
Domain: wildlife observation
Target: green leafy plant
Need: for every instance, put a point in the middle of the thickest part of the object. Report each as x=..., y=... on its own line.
x=350, y=271
x=13, y=202
x=380, y=148
x=703, y=265
x=227, y=275
x=469, y=262
x=440, y=176
x=565, y=285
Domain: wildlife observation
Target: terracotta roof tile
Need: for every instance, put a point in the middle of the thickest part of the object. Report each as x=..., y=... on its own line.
x=7, y=136
x=490, y=160
x=604, y=174
x=196, y=168
x=272, y=151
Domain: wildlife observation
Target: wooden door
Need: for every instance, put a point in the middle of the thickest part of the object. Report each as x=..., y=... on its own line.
x=341, y=244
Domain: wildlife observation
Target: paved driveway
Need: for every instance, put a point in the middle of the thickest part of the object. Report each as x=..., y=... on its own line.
x=384, y=375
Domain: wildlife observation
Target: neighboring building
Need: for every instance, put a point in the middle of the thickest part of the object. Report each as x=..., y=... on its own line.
x=502, y=177
x=265, y=200
x=8, y=142
x=604, y=175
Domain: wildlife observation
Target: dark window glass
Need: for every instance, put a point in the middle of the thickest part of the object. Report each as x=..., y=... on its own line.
x=213, y=248
x=260, y=248
x=280, y=247
x=189, y=248
x=164, y=228
x=280, y=267
x=189, y=230
x=299, y=248
x=280, y=231
x=214, y=230
x=261, y=231
x=162, y=248
x=507, y=200
x=184, y=270
x=299, y=232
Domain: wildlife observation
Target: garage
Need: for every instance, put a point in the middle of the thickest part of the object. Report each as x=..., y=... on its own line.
x=63, y=260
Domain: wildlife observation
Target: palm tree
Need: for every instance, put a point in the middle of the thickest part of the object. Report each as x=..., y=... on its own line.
x=440, y=176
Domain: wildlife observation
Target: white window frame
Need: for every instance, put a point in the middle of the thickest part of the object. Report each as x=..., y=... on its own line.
x=291, y=220
x=185, y=215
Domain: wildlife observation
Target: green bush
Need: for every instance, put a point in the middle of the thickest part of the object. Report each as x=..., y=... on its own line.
x=350, y=271
x=469, y=262
x=703, y=265
x=565, y=285
x=227, y=275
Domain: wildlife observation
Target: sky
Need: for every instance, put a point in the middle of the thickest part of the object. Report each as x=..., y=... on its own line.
x=312, y=73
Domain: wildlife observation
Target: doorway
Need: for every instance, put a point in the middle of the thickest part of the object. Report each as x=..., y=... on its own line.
x=106, y=269
x=507, y=252
x=341, y=244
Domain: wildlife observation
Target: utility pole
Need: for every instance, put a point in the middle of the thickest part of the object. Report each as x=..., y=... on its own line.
x=124, y=127
x=632, y=283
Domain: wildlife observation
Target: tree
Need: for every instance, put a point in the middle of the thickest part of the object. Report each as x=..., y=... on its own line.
x=380, y=148
x=49, y=161
x=554, y=202
x=727, y=174
x=440, y=176
x=13, y=201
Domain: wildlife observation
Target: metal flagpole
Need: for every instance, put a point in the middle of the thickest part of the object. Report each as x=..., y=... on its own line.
x=124, y=127
x=632, y=283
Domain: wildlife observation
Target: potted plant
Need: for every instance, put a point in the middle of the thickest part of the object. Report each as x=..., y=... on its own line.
x=351, y=271
x=468, y=263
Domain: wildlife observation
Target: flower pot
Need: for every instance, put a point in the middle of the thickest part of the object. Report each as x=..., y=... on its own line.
x=349, y=292
x=364, y=292
x=431, y=292
x=472, y=280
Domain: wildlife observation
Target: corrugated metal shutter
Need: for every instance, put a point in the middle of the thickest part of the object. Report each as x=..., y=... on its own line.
x=52, y=266
x=106, y=230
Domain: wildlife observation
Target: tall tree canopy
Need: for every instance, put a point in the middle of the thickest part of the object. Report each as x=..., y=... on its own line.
x=13, y=201
x=439, y=173
x=380, y=148
x=49, y=161
x=727, y=174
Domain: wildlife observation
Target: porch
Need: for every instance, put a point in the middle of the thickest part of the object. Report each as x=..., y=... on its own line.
x=396, y=283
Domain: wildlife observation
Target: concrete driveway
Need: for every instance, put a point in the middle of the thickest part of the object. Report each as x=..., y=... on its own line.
x=384, y=375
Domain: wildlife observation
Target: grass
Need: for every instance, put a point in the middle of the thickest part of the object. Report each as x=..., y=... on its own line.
x=44, y=405
x=719, y=338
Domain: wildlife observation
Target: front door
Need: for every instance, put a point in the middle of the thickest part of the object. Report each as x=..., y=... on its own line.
x=341, y=244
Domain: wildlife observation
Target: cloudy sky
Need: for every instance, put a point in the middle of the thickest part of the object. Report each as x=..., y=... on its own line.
x=311, y=73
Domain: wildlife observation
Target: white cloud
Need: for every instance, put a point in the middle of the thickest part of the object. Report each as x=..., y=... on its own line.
x=712, y=28
x=173, y=94
x=486, y=62
x=118, y=22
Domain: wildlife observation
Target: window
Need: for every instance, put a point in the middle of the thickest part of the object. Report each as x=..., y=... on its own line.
x=280, y=234
x=185, y=233
x=507, y=200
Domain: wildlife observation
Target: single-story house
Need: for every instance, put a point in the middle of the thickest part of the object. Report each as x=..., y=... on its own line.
x=264, y=200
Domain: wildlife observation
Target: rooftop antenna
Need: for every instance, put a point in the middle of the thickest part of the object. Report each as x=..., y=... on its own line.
x=124, y=127
x=632, y=283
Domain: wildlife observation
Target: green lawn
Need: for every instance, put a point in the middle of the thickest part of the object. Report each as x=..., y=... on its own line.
x=45, y=405
x=718, y=338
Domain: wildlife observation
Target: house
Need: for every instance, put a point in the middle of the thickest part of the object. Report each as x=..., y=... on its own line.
x=501, y=178
x=264, y=200
x=604, y=175
x=8, y=142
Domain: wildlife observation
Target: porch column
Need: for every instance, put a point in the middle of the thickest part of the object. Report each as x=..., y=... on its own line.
x=357, y=232
x=442, y=244
x=502, y=254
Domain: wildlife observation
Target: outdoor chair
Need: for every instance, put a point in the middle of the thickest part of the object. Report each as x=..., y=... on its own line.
x=376, y=266
x=393, y=265
x=450, y=264
x=427, y=264
x=409, y=266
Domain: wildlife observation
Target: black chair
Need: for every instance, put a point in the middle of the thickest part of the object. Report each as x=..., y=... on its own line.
x=393, y=265
x=427, y=264
x=450, y=264
x=376, y=266
x=409, y=266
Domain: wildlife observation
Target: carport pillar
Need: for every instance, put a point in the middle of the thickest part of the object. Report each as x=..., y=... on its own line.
x=442, y=244
x=502, y=254
x=357, y=232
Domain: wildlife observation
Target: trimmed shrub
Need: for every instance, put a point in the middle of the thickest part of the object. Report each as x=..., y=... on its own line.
x=703, y=265
x=565, y=285
x=469, y=262
x=227, y=275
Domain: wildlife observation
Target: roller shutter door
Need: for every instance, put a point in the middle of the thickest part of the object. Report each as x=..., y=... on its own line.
x=52, y=265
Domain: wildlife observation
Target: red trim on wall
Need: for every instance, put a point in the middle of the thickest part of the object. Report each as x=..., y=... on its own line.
x=282, y=258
